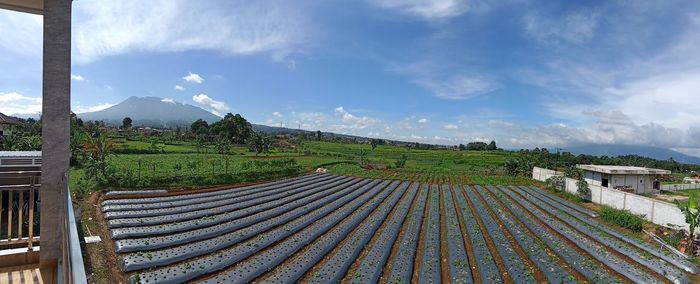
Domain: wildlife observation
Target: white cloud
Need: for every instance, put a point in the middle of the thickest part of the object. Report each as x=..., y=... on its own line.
x=179, y=88
x=450, y=126
x=578, y=27
x=18, y=104
x=76, y=77
x=354, y=121
x=193, y=78
x=217, y=107
x=98, y=107
x=277, y=114
x=168, y=100
x=458, y=87
x=423, y=120
x=21, y=33
x=426, y=9
x=107, y=28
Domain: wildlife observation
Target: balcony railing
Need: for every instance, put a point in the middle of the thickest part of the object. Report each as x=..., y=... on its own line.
x=19, y=200
x=20, y=222
x=73, y=267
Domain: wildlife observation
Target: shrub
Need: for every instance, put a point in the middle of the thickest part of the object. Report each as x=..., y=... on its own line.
x=622, y=218
x=401, y=162
x=557, y=183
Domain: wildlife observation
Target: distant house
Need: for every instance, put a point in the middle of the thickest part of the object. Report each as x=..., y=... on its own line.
x=5, y=123
x=630, y=179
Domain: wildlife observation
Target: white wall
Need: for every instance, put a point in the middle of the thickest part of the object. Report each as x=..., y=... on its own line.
x=656, y=211
x=683, y=186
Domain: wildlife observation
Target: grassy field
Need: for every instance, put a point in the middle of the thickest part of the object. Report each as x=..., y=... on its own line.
x=183, y=165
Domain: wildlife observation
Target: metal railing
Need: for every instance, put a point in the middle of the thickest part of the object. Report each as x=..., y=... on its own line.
x=18, y=201
x=72, y=262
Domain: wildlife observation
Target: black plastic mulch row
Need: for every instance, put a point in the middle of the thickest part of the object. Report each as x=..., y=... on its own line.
x=320, y=234
x=198, y=211
x=371, y=266
x=581, y=262
x=593, y=248
x=196, y=233
x=546, y=263
x=318, y=221
x=660, y=253
x=217, y=217
x=112, y=203
x=515, y=266
x=460, y=271
x=136, y=261
x=430, y=270
x=402, y=266
x=485, y=263
x=214, y=201
x=657, y=265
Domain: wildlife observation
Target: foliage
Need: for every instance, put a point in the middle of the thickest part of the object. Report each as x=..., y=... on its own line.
x=259, y=143
x=623, y=218
x=234, y=127
x=375, y=142
x=692, y=218
x=126, y=123
x=401, y=162
x=556, y=183
x=223, y=145
x=199, y=127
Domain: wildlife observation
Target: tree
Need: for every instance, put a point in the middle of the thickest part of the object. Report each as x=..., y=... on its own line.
x=223, y=145
x=259, y=143
x=199, y=127
x=375, y=142
x=401, y=161
x=692, y=218
x=234, y=127
x=319, y=135
x=492, y=146
x=126, y=123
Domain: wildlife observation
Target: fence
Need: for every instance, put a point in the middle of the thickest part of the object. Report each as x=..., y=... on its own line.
x=682, y=186
x=656, y=211
x=18, y=200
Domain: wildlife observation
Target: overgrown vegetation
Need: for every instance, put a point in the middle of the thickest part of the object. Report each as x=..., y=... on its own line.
x=692, y=218
x=622, y=218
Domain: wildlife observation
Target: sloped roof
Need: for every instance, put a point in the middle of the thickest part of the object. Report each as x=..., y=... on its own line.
x=4, y=119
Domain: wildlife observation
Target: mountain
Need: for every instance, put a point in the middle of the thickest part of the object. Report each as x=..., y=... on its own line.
x=645, y=151
x=151, y=111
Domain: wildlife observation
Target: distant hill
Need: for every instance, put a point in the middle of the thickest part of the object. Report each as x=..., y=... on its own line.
x=151, y=111
x=645, y=151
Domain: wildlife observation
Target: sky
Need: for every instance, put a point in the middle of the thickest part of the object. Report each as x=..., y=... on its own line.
x=526, y=73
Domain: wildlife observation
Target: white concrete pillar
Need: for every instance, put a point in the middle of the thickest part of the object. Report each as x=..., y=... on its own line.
x=55, y=124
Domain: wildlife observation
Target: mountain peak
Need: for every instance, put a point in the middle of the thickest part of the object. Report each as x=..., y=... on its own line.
x=151, y=111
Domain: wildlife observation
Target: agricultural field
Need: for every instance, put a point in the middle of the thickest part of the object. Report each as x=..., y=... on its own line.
x=326, y=228
x=140, y=164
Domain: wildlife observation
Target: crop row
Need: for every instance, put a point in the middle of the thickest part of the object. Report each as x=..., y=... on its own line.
x=671, y=258
x=227, y=255
x=548, y=264
x=622, y=248
x=331, y=229
x=289, y=209
x=556, y=243
x=191, y=211
x=111, y=204
x=595, y=249
x=173, y=254
x=219, y=216
x=214, y=201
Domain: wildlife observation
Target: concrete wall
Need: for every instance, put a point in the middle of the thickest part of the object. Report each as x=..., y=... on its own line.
x=656, y=211
x=683, y=186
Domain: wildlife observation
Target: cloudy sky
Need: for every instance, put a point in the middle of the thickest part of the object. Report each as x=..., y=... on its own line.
x=523, y=72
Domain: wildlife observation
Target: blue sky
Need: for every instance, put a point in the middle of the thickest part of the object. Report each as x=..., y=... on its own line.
x=526, y=73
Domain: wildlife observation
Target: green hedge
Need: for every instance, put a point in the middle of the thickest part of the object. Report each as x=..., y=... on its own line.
x=623, y=218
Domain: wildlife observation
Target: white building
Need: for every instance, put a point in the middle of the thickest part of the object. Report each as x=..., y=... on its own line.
x=630, y=179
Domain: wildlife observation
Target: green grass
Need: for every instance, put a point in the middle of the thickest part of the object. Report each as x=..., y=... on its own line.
x=182, y=164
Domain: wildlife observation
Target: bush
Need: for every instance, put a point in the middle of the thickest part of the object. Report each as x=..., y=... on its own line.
x=623, y=218
x=556, y=183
